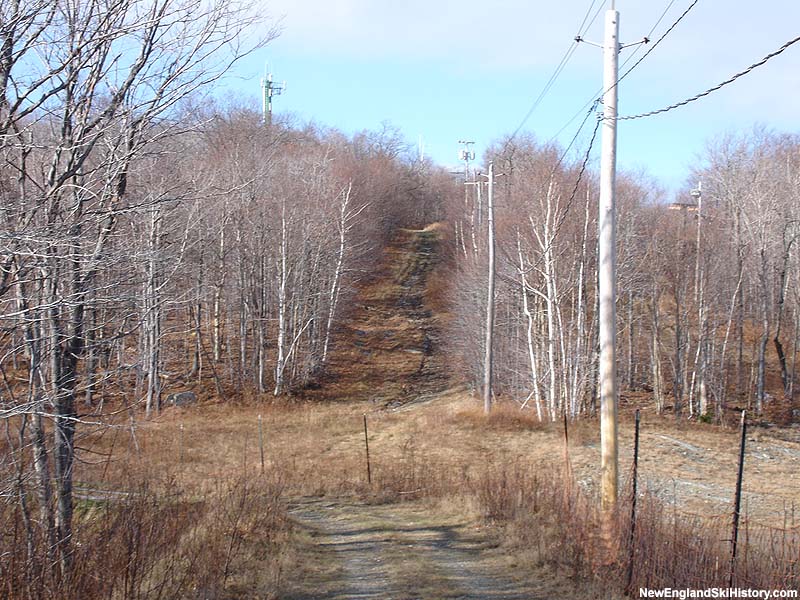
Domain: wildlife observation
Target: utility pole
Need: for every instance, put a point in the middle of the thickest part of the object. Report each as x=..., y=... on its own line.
x=268, y=90
x=697, y=194
x=607, y=264
x=487, y=363
x=700, y=303
x=607, y=267
x=466, y=155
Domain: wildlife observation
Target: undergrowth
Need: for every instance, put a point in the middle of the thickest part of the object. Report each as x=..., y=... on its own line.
x=212, y=525
x=156, y=542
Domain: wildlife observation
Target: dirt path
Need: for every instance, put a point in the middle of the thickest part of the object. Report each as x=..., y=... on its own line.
x=404, y=552
x=387, y=352
x=388, y=355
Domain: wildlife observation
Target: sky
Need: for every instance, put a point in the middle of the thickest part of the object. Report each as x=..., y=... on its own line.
x=445, y=70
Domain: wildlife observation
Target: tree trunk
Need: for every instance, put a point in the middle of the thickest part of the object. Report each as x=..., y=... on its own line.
x=677, y=383
x=281, y=358
x=216, y=319
x=536, y=392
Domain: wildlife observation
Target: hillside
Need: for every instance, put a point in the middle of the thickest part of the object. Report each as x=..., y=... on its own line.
x=388, y=351
x=456, y=506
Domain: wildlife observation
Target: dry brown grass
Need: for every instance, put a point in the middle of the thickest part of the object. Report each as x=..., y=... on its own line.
x=197, y=489
x=503, y=417
x=163, y=541
x=202, y=520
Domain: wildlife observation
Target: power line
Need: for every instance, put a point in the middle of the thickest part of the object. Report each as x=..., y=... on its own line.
x=594, y=98
x=568, y=205
x=586, y=16
x=577, y=133
x=582, y=30
x=565, y=211
x=563, y=63
x=558, y=70
x=583, y=169
x=730, y=80
x=659, y=40
x=650, y=34
x=661, y=18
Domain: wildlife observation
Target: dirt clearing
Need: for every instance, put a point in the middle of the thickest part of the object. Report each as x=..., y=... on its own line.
x=408, y=551
x=416, y=531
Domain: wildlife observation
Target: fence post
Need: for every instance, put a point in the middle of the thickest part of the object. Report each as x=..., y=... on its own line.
x=366, y=446
x=261, y=442
x=634, y=476
x=738, y=502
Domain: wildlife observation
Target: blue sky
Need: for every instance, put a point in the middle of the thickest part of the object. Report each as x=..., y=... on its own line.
x=450, y=70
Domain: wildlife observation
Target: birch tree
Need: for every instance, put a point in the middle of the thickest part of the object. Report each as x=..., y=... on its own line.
x=93, y=85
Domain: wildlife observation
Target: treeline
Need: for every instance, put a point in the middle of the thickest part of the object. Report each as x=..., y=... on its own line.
x=708, y=289
x=246, y=280
x=151, y=241
x=226, y=266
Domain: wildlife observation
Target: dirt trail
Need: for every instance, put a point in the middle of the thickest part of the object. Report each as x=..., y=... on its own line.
x=404, y=552
x=388, y=355
x=387, y=352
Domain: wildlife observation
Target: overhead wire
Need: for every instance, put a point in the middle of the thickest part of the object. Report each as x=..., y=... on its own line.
x=592, y=103
x=558, y=70
x=650, y=33
x=601, y=91
x=658, y=41
x=577, y=133
x=584, y=164
x=564, y=212
x=582, y=31
x=586, y=16
x=587, y=154
x=545, y=89
x=595, y=99
x=711, y=90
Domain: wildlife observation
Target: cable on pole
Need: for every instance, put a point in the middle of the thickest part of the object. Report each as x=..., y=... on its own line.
x=585, y=160
x=711, y=90
x=584, y=164
x=559, y=68
x=565, y=211
x=601, y=91
x=591, y=110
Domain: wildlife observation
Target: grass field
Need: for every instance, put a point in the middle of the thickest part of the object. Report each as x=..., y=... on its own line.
x=454, y=504
x=436, y=461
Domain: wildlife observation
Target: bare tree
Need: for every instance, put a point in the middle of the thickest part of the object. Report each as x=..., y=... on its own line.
x=103, y=85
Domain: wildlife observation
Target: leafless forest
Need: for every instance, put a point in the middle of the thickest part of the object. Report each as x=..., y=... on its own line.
x=160, y=246
x=707, y=315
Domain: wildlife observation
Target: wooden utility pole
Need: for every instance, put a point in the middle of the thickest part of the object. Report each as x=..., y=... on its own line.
x=487, y=363
x=607, y=266
x=466, y=154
